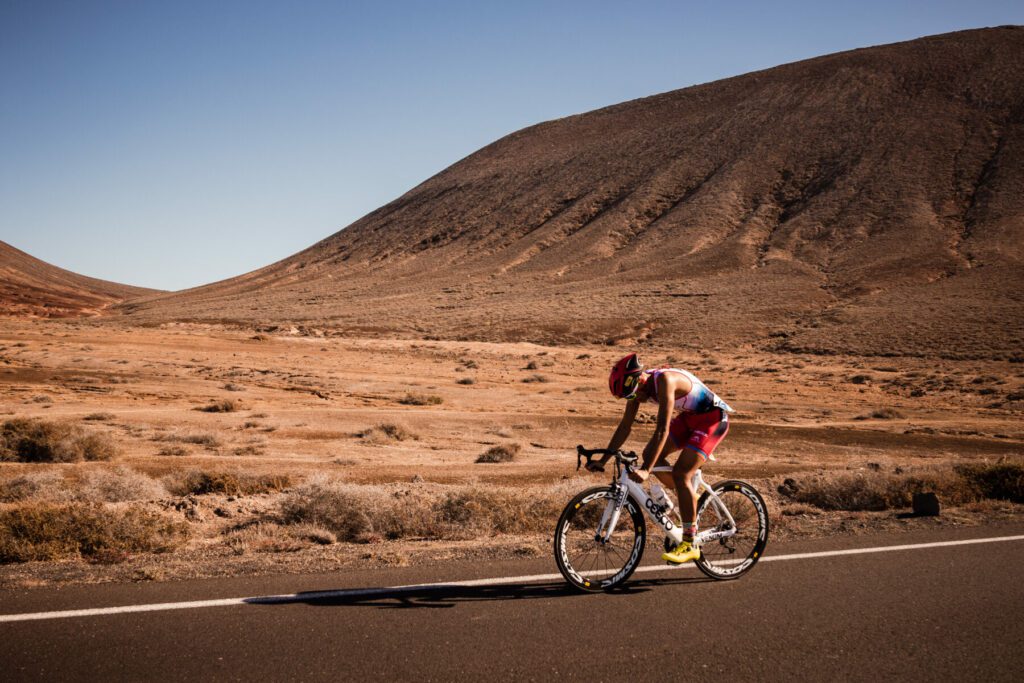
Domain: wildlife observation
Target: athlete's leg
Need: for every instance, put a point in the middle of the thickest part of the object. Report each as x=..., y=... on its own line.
x=686, y=466
x=661, y=469
x=663, y=472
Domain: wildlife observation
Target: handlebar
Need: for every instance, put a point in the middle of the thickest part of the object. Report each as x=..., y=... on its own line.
x=624, y=457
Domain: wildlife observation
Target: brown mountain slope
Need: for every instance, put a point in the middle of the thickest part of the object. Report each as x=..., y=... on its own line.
x=34, y=288
x=868, y=201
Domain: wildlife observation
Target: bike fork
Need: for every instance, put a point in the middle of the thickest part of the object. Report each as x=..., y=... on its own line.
x=610, y=516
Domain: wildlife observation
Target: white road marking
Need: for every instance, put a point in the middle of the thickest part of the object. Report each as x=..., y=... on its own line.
x=473, y=583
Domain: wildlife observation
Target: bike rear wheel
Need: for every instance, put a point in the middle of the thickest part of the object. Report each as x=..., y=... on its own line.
x=585, y=560
x=731, y=557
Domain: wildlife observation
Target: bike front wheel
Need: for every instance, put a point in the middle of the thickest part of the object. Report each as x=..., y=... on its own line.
x=589, y=558
x=732, y=556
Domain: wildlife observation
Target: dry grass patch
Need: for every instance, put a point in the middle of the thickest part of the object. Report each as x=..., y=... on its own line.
x=99, y=417
x=421, y=400
x=364, y=513
x=883, y=414
x=199, y=438
x=46, y=531
x=31, y=440
x=200, y=482
x=270, y=537
x=500, y=453
x=387, y=431
x=249, y=450
x=223, y=406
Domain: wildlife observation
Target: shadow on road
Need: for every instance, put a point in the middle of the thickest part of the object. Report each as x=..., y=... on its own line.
x=450, y=596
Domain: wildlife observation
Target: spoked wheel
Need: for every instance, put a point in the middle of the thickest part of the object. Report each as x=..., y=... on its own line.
x=587, y=559
x=732, y=556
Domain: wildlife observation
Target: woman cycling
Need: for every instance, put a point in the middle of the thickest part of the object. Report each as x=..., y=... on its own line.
x=700, y=422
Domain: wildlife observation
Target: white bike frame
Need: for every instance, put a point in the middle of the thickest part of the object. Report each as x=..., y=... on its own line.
x=628, y=487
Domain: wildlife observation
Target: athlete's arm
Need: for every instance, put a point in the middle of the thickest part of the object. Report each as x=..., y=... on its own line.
x=623, y=430
x=666, y=397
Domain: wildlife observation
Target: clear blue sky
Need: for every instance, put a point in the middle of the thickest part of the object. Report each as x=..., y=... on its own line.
x=169, y=144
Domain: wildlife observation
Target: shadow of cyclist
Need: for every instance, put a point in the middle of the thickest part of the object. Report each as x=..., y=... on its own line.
x=441, y=596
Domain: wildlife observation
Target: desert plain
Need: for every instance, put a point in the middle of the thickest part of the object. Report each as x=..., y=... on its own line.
x=234, y=435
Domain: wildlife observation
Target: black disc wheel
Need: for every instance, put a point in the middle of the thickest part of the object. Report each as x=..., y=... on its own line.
x=587, y=556
x=742, y=521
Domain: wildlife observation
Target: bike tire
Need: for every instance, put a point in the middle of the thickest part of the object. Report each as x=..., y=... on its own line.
x=729, y=558
x=587, y=564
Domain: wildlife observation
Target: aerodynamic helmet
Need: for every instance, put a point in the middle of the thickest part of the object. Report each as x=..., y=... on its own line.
x=624, y=379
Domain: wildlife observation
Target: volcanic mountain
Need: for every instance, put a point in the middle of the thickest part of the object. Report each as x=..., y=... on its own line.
x=33, y=288
x=869, y=201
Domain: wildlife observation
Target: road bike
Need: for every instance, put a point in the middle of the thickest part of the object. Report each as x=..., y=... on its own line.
x=602, y=533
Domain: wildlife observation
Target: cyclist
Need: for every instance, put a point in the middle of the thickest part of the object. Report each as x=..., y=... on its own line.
x=699, y=426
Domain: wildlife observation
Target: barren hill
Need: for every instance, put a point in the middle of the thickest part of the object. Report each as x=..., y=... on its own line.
x=30, y=287
x=869, y=201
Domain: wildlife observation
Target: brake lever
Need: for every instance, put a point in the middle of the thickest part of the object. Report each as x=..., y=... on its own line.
x=590, y=466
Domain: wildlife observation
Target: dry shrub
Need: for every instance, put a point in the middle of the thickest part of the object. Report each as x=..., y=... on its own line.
x=231, y=386
x=95, y=486
x=201, y=439
x=33, y=486
x=27, y=440
x=199, y=483
x=387, y=431
x=797, y=509
x=250, y=450
x=420, y=400
x=99, y=417
x=354, y=513
x=881, y=491
x=536, y=378
x=500, y=453
x=887, y=414
x=117, y=485
x=208, y=440
x=172, y=450
x=1002, y=481
x=868, y=492
x=268, y=537
x=362, y=513
x=223, y=406
x=466, y=380
x=46, y=531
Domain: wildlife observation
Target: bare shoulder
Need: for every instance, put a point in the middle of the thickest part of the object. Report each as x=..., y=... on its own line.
x=676, y=381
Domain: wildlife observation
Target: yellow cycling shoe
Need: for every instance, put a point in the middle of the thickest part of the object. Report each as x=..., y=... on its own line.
x=684, y=552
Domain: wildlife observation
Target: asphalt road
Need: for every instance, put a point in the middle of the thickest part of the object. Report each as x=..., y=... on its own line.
x=914, y=614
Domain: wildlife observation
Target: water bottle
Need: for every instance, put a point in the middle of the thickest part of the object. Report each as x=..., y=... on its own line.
x=660, y=496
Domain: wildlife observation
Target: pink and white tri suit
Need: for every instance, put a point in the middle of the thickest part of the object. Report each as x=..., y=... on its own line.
x=703, y=418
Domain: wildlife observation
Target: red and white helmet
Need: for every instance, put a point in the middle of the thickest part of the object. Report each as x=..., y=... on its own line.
x=624, y=379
